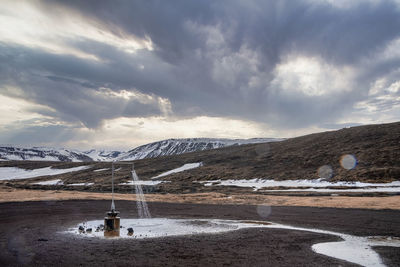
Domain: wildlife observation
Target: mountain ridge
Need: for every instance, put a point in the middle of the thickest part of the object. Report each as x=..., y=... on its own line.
x=155, y=149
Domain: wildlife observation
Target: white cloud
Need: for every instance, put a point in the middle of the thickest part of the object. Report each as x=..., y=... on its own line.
x=16, y=112
x=345, y=4
x=126, y=133
x=27, y=24
x=312, y=76
x=131, y=132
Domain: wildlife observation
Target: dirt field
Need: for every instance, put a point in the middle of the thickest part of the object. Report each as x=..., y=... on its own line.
x=32, y=221
x=31, y=234
x=8, y=194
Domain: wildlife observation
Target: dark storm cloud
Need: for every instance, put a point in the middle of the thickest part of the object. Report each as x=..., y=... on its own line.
x=215, y=58
x=38, y=135
x=163, y=22
x=339, y=34
x=73, y=86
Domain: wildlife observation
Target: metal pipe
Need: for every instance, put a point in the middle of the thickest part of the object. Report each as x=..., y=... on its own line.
x=112, y=179
x=112, y=187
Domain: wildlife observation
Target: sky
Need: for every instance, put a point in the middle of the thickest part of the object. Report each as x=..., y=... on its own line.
x=118, y=74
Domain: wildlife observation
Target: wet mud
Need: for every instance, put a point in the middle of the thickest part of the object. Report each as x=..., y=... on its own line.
x=32, y=233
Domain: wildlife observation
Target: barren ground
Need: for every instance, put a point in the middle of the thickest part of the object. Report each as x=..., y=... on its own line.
x=31, y=233
x=8, y=194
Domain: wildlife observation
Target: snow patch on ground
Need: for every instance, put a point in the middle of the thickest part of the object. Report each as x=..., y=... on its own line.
x=81, y=184
x=370, y=190
x=11, y=173
x=51, y=182
x=143, y=182
x=100, y=170
x=315, y=185
x=185, y=167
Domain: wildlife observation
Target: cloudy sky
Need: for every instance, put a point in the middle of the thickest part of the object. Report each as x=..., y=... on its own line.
x=117, y=74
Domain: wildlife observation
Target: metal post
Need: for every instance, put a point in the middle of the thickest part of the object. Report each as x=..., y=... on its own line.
x=112, y=181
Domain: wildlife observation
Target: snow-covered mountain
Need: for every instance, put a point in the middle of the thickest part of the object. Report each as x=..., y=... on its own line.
x=180, y=146
x=55, y=154
x=152, y=150
x=102, y=155
x=42, y=154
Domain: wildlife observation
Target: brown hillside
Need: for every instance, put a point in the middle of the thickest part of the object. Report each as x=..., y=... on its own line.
x=376, y=147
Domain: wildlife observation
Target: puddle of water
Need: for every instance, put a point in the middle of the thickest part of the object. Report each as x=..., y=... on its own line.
x=353, y=249
x=160, y=227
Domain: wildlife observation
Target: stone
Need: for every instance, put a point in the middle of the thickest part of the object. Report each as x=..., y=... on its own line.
x=130, y=231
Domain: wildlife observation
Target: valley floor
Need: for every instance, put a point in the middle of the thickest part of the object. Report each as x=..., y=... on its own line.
x=9, y=194
x=33, y=233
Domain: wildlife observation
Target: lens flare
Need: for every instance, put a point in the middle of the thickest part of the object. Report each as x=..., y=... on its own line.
x=348, y=161
x=263, y=149
x=264, y=210
x=325, y=172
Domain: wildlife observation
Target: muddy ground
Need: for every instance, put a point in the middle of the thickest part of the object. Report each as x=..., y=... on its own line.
x=31, y=234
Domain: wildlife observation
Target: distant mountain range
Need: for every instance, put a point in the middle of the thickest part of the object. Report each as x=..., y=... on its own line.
x=152, y=150
x=53, y=154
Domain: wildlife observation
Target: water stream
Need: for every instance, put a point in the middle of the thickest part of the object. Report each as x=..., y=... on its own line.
x=143, y=210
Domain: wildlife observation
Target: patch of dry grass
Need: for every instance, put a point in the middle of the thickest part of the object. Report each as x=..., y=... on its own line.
x=389, y=202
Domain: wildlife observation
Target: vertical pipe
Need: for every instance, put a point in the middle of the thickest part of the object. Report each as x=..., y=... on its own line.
x=112, y=187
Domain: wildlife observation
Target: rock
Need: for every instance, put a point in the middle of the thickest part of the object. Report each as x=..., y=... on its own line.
x=89, y=230
x=130, y=231
x=42, y=239
x=81, y=229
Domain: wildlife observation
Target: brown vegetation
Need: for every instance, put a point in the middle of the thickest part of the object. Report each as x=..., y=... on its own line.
x=376, y=147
